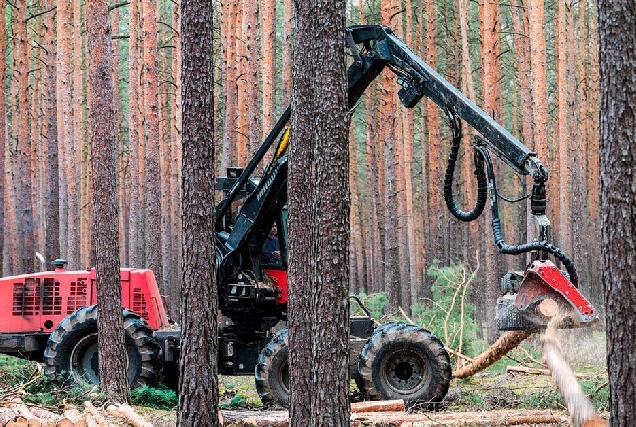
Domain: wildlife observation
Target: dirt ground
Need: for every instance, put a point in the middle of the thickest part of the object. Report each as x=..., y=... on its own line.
x=493, y=397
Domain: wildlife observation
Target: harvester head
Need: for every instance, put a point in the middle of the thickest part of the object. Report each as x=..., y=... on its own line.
x=533, y=298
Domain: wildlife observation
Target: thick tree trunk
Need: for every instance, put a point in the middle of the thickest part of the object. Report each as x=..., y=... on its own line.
x=617, y=26
x=198, y=377
x=112, y=359
x=319, y=219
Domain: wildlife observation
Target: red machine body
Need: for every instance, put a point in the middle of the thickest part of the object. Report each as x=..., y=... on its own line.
x=280, y=284
x=38, y=302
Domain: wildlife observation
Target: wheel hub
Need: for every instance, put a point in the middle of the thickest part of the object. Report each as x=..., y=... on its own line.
x=405, y=371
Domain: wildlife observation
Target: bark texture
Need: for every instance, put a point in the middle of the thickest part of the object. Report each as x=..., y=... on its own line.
x=112, y=361
x=617, y=40
x=198, y=382
x=319, y=218
x=496, y=351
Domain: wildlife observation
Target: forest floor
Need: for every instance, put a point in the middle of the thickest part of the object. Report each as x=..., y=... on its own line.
x=496, y=396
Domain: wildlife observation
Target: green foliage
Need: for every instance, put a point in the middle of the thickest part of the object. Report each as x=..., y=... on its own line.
x=240, y=400
x=548, y=398
x=375, y=303
x=14, y=370
x=157, y=398
x=597, y=390
x=45, y=391
x=450, y=315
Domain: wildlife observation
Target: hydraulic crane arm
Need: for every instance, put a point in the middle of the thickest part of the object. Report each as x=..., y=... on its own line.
x=380, y=48
x=374, y=48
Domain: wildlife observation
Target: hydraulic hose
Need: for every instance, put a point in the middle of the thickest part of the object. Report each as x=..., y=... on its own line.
x=502, y=246
x=482, y=183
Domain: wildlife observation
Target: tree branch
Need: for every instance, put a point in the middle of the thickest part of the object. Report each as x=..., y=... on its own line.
x=117, y=5
x=40, y=13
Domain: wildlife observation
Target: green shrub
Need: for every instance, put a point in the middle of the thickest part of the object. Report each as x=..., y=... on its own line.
x=14, y=371
x=450, y=314
x=157, y=398
x=375, y=303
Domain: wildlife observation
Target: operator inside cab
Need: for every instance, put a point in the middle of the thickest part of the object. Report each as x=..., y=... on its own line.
x=270, y=251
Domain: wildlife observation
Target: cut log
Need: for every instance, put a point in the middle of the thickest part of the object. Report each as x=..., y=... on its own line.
x=499, y=349
x=18, y=422
x=6, y=415
x=548, y=307
x=44, y=415
x=73, y=414
x=404, y=419
x=378, y=406
x=126, y=412
x=582, y=413
x=21, y=409
x=65, y=422
x=95, y=417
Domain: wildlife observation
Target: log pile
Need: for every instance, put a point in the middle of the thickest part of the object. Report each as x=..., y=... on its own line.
x=15, y=413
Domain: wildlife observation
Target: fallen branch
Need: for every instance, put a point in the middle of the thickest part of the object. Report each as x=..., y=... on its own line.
x=537, y=371
x=499, y=349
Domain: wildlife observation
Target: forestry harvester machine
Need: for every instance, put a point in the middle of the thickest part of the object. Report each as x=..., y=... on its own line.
x=51, y=316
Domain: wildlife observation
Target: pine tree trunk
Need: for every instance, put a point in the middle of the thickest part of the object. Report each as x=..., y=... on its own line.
x=319, y=219
x=252, y=76
x=491, y=93
x=112, y=359
x=3, y=139
x=198, y=378
x=24, y=201
x=562, y=31
x=617, y=26
x=152, y=141
x=268, y=64
x=228, y=155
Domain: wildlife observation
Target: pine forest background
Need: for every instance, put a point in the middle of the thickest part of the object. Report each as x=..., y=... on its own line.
x=530, y=64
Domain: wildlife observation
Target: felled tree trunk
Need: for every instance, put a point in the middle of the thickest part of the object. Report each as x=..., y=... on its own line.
x=582, y=413
x=499, y=349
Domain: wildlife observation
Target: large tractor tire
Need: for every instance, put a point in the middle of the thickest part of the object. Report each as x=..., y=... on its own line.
x=272, y=371
x=406, y=362
x=71, y=352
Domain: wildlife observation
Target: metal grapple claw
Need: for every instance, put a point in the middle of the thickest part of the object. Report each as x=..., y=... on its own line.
x=543, y=293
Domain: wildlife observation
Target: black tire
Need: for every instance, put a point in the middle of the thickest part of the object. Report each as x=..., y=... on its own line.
x=272, y=371
x=71, y=352
x=406, y=362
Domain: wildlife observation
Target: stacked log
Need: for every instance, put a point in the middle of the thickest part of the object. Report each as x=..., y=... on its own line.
x=15, y=413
